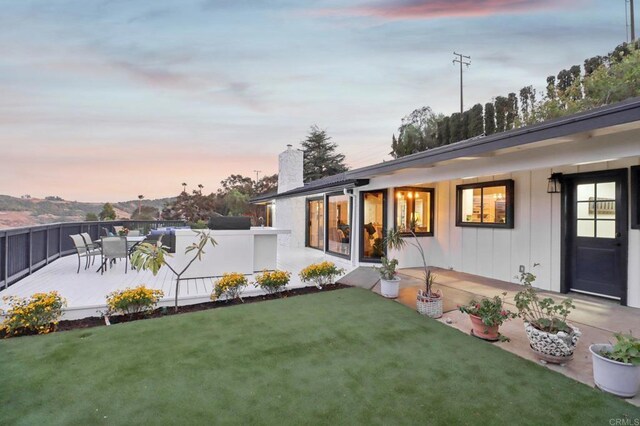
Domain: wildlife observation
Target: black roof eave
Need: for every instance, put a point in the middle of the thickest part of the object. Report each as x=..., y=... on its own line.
x=314, y=189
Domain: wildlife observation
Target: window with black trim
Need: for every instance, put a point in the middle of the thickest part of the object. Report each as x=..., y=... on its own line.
x=634, y=197
x=486, y=204
x=414, y=210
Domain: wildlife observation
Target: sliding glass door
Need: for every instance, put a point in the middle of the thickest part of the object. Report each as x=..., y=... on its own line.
x=373, y=206
x=315, y=223
x=339, y=225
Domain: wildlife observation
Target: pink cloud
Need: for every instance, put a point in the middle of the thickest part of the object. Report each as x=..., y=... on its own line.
x=431, y=9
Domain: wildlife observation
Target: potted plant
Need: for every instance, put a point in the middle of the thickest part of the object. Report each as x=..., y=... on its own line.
x=428, y=302
x=389, y=279
x=486, y=316
x=616, y=368
x=545, y=322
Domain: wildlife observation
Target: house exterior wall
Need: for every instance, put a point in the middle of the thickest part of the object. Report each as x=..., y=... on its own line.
x=498, y=253
x=495, y=252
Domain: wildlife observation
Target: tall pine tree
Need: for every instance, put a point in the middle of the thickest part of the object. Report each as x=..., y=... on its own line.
x=320, y=156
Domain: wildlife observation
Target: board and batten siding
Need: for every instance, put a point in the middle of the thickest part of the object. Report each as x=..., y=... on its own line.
x=498, y=253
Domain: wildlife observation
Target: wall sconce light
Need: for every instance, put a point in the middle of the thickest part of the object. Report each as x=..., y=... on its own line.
x=553, y=186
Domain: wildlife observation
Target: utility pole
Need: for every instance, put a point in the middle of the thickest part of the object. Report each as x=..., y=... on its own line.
x=633, y=21
x=257, y=172
x=461, y=60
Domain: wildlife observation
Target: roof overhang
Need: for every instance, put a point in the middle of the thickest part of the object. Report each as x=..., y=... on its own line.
x=316, y=187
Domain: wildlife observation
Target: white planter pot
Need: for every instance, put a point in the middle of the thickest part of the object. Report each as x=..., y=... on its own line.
x=615, y=377
x=558, y=345
x=390, y=288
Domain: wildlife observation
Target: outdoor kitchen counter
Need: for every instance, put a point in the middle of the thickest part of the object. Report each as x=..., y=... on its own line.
x=244, y=250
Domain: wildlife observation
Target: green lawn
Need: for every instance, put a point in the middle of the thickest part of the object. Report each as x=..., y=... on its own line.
x=340, y=357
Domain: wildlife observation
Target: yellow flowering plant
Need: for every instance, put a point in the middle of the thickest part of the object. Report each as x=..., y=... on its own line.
x=320, y=274
x=133, y=300
x=230, y=285
x=39, y=313
x=273, y=281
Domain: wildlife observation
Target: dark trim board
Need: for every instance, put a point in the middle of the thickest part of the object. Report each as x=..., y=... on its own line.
x=634, y=197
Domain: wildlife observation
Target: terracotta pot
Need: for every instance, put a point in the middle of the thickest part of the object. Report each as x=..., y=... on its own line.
x=483, y=331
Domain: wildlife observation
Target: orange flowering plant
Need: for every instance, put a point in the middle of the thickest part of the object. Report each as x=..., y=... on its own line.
x=230, y=285
x=273, y=281
x=133, y=300
x=320, y=274
x=39, y=313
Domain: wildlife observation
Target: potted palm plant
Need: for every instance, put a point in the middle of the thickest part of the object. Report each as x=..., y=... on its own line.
x=428, y=302
x=616, y=368
x=486, y=316
x=389, y=279
x=551, y=337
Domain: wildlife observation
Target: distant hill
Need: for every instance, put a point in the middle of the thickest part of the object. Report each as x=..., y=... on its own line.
x=15, y=212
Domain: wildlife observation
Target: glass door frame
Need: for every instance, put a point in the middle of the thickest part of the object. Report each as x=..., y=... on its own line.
x=350, y=200
x=307, y=230
x=361, y=223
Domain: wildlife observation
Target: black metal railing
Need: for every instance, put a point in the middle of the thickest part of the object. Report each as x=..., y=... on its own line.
x=25, y=250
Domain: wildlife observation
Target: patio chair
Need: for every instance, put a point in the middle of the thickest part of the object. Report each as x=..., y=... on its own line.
x=114, y=248
x=89, y=242
x=82, y=250
x=104, y=232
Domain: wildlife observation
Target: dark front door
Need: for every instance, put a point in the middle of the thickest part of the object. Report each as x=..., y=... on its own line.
x=596, y=228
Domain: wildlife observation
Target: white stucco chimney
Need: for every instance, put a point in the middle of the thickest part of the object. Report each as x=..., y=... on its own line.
x=290, y=212
x=290, y=167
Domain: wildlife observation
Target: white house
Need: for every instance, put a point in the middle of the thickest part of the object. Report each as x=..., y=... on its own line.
x=562, y=194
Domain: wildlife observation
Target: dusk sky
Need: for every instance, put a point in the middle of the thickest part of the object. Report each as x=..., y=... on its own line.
x=105, y=100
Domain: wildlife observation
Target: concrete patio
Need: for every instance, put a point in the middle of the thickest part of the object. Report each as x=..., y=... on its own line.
x=596, y=318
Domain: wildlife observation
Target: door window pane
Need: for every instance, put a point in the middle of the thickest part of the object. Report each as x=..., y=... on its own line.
x=586, y=192
x=596, y=201
x=585, y=210
x=373, y=225
x=338, y=224
x=414, y=207
x=606, y=191
x=586, y=228
x=606, y=229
